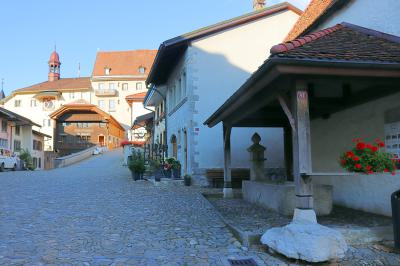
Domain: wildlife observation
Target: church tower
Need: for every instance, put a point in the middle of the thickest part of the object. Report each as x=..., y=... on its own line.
x=258, y=4
x=54, y=66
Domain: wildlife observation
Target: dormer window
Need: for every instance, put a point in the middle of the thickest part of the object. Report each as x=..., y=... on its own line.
x=107, y=71
x=142, y=70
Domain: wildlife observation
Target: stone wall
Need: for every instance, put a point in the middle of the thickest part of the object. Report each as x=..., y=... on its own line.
x=370, y=193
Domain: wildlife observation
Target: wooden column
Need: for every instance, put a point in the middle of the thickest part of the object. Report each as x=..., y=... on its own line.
x=302, y=147
x=228, y=193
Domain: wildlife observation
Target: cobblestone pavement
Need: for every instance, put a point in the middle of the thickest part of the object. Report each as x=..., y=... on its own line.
x=93, y=213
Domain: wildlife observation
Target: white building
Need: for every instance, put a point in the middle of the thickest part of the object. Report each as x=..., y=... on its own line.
x=118, y=81
x=196, y=72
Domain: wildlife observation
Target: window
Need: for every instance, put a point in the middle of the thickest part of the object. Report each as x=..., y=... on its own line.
x=72, y=95
x=184, y=84
x=82, y=125
x=17, y=130
x=17, y=103
x=17, y=145
x=124, y=86
x=33, y=103
x=111, y=105
x=35, y=162
x=4, y=125
x=3, y=143
x=102, y=125
x=178, y=91
x=142, y=70
x=37, y=145
x=111, y=86
x=48, y=105
x=107, y=71
x=101, y=104
x=138, y=86
x=46, y=122
x=101, y=86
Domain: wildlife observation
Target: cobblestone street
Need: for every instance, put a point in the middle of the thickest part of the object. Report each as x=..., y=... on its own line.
x=93, y=213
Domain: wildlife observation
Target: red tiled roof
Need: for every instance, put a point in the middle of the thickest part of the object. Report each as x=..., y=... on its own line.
x=124, y=63
x=313, y=11
x=344, y=42
x=58, y=85
x=137, y=97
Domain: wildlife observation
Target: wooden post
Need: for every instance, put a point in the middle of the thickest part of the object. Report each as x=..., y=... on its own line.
x=302, y=147
x=228, y=193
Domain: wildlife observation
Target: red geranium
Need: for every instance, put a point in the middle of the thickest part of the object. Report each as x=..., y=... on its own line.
x=369, y=158
x=360, y=145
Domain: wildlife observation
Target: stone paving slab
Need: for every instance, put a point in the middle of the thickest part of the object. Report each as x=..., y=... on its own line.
x=93, y=213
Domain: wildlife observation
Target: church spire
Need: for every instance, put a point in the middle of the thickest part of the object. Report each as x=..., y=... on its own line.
x=54, y=66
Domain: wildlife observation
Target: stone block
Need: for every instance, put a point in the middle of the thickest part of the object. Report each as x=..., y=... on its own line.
x=310, y=242
x=282, y=197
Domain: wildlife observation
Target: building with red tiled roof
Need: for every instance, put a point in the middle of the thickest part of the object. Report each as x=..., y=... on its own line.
x=116, y=77
x=37, y=101
x=135, y=63
x=313, y=11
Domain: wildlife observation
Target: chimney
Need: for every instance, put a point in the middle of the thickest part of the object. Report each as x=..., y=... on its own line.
x=258, y=4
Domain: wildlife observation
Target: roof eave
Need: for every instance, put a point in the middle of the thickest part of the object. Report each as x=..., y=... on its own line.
x=289, y=66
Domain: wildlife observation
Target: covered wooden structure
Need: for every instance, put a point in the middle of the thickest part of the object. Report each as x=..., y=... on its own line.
x=311, y=77
x=80, y=125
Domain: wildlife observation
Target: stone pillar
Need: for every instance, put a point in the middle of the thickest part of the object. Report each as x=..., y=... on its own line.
x=257, y=158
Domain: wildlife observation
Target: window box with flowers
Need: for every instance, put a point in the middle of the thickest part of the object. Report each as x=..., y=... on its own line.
x=370, y=181
x=369, y=158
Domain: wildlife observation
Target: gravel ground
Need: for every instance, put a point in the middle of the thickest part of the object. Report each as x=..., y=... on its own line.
x=256, y=219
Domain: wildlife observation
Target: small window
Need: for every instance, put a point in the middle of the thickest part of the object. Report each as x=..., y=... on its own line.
x=138, y=86
x=72, y=95
x=46, y=122
x=111, y=106
x=111, y=86
x=102, y=125
x=124, y=86
x=142, y=70
x=17, y=145
x=107, y=71
x=4, y=126
x=17, y=130
x=101, y=104
x=33, y=103
x=17, y=103
x=101, y=86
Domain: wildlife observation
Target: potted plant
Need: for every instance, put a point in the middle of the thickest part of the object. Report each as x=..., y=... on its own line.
x=187, y=180
x=176, y=169
x=27, y=160
x=155, y=166
x=167, y=167
x=369, y=158
x=136, y=165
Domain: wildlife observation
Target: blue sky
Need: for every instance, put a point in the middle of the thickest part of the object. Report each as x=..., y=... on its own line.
x=79, y=28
